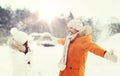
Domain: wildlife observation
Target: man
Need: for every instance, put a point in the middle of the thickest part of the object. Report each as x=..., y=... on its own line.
x=76, y=47
x=20, y=52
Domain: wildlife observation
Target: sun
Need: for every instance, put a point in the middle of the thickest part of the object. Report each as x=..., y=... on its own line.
x=47, y=12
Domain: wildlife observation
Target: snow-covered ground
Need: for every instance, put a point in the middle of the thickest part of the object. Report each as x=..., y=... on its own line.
x=45, y=60
x=97, y=66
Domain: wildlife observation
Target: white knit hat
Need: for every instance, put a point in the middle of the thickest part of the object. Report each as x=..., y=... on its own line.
x=19, y=36
x=76, y=24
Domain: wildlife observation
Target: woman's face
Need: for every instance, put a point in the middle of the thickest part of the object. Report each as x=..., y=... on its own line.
x=72, y=30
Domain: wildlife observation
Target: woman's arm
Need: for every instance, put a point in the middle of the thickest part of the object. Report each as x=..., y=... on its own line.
x=96, y=49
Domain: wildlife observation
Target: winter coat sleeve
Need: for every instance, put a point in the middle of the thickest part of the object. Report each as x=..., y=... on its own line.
x=94, y=48
x=61, y=41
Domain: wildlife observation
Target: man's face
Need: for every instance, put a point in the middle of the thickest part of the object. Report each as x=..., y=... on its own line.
x=72, y=30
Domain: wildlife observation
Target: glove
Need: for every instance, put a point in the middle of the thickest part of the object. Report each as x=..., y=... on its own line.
x=109, y=55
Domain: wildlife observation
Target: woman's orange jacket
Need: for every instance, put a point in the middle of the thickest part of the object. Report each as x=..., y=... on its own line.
x=77, y=55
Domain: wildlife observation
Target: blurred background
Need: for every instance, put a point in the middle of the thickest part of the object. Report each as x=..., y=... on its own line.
x=38, y=16
x=52, y=16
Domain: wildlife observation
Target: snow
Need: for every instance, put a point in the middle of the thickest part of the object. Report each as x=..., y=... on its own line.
x=45, y=60
x=97, y=66
x=5, y=62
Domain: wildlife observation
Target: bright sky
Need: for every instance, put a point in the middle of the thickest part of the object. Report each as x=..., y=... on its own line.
x=87, y=8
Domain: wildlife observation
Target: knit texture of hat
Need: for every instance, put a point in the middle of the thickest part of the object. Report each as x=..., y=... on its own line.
x=76, y=24
x=19, y=36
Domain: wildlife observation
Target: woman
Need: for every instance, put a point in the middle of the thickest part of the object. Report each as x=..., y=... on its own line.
x=76, y=47
x=21, y=54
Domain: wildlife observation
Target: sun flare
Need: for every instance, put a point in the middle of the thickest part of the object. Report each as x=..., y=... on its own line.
x=47, y=12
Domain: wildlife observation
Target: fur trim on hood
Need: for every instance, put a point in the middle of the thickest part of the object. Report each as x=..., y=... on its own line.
x=16, y=45
x=86, y=30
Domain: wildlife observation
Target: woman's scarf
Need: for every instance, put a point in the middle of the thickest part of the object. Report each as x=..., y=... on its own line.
x=63, y=60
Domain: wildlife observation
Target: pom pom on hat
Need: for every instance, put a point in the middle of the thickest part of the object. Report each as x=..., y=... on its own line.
x=76, y=24
x=13, y=31
x=19, y=36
